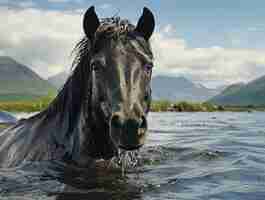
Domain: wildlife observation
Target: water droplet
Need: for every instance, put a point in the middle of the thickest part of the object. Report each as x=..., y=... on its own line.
x=127, y=160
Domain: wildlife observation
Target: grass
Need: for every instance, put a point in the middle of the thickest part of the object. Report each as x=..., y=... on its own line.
x=18, y=97
x=160, y=106
x=2, y=126
x=27, y=105
x=184, y=106
x=41, y=103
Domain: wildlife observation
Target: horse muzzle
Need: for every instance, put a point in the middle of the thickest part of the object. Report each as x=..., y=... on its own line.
x=128, y=133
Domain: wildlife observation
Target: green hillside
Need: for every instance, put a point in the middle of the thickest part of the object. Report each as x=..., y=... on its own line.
x=252, y=93
x=18, y=82
x=232, y=89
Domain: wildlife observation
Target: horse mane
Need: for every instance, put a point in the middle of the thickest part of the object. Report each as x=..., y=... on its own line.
x=77, y=89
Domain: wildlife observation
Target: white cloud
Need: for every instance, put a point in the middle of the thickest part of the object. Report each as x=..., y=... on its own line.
x=40, y=39
x=26, y=4
x=105, y=6
x=174, y=56
x=252, y=29
x=64, y=1
x=58, y=1
x=44, y=39
x=168, y=30
x=256, y=28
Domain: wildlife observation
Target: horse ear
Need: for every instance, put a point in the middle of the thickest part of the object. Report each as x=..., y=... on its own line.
x=90, y=23
x=146, y=24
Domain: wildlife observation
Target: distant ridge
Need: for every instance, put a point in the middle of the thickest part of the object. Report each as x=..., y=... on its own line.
x=163, y=87
x=18, y=82
x=58, y=80
x=252, y=93
x=180, y=89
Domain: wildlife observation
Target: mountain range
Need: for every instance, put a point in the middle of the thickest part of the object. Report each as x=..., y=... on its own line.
x=180, y=89
x=252, y=93
x=18, y=82
x=164, y=88
x=58, y=80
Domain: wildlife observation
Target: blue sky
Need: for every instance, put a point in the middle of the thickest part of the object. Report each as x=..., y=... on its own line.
x=229, y=23
x=209, y=41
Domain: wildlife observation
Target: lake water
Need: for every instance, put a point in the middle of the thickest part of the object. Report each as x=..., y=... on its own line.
x=187, y=156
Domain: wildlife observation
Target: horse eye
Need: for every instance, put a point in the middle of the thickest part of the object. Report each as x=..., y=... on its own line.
x=148, y=68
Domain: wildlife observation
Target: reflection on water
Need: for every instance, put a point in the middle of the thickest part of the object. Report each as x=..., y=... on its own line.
x=187, y=156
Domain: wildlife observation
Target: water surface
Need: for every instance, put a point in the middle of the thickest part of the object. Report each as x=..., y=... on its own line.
x=187, y=156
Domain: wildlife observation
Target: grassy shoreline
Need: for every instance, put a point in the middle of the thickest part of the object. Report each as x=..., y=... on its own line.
x=26, y=105
x=184, y=106
x=156, y=106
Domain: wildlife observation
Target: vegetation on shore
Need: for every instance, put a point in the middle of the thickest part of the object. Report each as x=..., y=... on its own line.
x=27, y=105
x=156, y=106
x=184, y=106
x=3, y=126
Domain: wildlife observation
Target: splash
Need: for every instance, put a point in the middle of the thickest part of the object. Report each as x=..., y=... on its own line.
x=127, y=160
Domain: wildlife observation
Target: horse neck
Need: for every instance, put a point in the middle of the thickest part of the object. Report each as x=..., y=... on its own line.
x=77, y=117
x=71, y=99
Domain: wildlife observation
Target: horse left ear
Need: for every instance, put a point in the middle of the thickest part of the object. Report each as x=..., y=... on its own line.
x=90, y=23
x=146, y=24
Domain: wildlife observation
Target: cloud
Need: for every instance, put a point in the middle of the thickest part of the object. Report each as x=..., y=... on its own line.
x=105, y=6
x=26, y=4
x=174, y=56
x=41, y=39
x=257, y=28
x=168, y=30
x=44, y=39
x=58, y=1
x=64, y=1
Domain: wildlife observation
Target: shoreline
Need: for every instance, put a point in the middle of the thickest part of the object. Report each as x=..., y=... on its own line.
x=156, y=106
x=184, y=106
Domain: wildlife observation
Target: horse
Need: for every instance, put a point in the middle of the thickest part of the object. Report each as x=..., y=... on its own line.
x=102, y=106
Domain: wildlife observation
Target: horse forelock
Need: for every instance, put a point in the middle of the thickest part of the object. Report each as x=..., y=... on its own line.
x=111, y=27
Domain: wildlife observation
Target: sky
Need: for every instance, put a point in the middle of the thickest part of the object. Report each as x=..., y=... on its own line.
x=211, y=42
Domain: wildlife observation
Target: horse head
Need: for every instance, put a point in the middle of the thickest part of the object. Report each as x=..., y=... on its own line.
x=121, y=64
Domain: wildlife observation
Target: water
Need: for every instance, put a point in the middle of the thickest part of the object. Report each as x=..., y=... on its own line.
x=187, y=156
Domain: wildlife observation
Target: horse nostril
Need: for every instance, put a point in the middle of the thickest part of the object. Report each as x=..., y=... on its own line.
x=143, y=123
x=116, y=121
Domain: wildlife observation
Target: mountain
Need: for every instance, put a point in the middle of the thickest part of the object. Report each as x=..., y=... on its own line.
x=180, y=89
x=18, y=82
x=58, y=80
x=252, y=93
x=232, y=89
x=164, y=87
x=220, y=88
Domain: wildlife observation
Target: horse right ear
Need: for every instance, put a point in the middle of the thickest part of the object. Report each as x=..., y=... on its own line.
x=90, y=23
x=146, y=24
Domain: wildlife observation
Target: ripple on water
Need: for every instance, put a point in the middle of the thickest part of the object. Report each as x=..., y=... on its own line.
x=187, y=156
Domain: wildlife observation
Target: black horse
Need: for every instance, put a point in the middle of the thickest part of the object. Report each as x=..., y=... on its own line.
x=102, y=106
